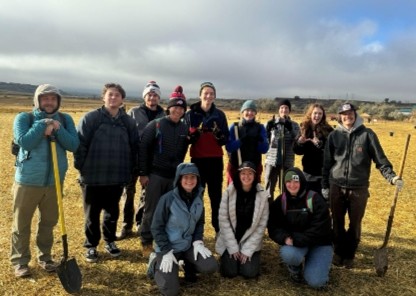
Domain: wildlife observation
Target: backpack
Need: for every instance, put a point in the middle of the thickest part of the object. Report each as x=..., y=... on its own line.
x=15, y=148
x=308, y=201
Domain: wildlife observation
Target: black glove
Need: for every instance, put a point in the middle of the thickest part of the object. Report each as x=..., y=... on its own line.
x=243, y=138
x=193, y=137
x=260, y=138
x=217, y=133
x=270, y=125
x=288, y=125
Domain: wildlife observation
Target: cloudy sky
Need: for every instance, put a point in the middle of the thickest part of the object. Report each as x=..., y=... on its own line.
x=248, y=49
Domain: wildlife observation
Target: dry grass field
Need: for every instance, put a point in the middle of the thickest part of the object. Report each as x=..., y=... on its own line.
x=126, y=275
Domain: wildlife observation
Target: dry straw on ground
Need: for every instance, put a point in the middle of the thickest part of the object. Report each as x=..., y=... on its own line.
x=126, y=275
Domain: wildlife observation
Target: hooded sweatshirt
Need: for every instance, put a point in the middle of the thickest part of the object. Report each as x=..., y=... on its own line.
x=37, y=169
x=179, y=218
x=348, y=155
x=305, y=228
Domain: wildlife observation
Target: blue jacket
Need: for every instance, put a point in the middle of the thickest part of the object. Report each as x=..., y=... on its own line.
x=174, y=226
x=37, y=170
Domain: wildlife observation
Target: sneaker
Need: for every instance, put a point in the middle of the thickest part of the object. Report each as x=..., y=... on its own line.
x=22, y=270
x=123, y=234
x=147, y=250
x=49, y=265
x=151, y=266
x=112, y=249
x=296, y=277
x=337, y=260
x=349, y=263
x=92, y=255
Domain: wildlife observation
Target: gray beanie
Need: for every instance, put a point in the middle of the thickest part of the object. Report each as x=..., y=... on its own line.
x=249, y=105
x=43, y=90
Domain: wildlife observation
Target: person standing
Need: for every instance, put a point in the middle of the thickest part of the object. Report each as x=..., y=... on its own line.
x=143, y=114
x=244, y=207
x=275, y=159
x=252, y=141
x=164, y=142
x=349, y=151
x=300, y=222
x=106, y=160
x=34, y=186
x=208, y=131
x=310, y=143
x=178, y=229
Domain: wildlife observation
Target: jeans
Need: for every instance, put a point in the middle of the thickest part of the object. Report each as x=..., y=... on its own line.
x=317, y=262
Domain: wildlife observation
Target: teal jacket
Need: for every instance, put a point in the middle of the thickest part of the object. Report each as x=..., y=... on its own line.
x=37, y=169
x=176, y=226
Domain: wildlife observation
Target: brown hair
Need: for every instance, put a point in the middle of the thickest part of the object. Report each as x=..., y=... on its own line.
x=322, y=128
x=116, y=86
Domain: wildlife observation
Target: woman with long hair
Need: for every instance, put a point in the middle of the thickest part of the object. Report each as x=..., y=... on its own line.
x=310, y=143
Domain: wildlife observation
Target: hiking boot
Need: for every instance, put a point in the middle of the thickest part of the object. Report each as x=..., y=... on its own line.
x=49, y=265
x=337, y=260
x=151, y=266
x=92, y=255
x=296, y=277
x=147, y=250
x=112, y=249
x=349, y=263
x=22, y=270
x=123, y=234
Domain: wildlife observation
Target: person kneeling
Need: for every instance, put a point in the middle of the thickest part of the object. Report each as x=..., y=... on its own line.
x=178, y=229
x=303, y=232
x=244, y=207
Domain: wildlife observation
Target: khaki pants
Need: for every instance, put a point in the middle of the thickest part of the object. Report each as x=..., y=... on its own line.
x=26, y=199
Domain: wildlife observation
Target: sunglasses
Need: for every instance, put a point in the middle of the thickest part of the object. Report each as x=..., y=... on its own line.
x=206, y=83
x=152, y=84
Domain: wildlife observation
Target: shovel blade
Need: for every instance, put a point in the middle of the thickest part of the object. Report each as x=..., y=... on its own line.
x=381, y=261
x=70, y=275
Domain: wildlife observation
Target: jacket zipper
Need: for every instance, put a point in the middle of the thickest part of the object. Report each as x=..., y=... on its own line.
x=348, y=160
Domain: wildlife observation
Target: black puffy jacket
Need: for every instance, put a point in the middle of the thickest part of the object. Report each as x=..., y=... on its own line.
x=305, y=228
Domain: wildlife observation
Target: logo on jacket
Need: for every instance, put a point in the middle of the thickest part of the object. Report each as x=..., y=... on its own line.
x=360, y=149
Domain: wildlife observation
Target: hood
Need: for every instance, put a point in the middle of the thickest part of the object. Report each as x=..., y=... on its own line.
x=302, y=181
x=236, y=177
x=46, y=89
x=359, y=121
x=186, y=168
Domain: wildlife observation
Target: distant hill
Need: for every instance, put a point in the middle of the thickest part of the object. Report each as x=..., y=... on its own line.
x=24, y=88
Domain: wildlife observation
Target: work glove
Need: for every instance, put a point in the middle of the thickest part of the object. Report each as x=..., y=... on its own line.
x=288, y=125
x=217, y=133
x=271, y=124
x=398, y=182
x=201, y=249
x=48, y=121
x=325, y=193
x=194, y=136
x=167, y=262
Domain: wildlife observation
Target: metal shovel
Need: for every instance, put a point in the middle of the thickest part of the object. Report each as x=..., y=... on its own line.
x=380, y=255
x=68, y=270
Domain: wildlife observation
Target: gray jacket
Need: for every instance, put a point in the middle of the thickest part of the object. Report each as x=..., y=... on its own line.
x=140, y=114
x=273, y=133
x=348, y=155
x=108, y=150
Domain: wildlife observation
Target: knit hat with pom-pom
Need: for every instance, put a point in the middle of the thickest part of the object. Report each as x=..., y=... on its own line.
x=152, y=87
x=177, y=98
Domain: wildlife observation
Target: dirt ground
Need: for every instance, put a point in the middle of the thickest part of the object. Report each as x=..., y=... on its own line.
x=126, y=275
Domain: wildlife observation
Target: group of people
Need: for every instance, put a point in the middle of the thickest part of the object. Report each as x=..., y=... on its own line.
x=113, y=150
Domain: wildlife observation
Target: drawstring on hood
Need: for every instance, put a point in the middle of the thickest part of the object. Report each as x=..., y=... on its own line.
x=43, y=90
x=302, y=180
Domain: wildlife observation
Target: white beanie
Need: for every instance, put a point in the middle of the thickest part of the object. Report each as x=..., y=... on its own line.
x=152, y=87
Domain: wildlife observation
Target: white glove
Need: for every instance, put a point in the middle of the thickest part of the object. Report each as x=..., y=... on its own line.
x=167, y=262
x=200, y=248
x=398, y=182
x=325, y=193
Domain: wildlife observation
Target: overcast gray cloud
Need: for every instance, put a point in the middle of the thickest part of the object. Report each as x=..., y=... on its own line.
x=247, y=49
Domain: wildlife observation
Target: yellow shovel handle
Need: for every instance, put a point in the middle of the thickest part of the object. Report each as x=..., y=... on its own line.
x=58, y=188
